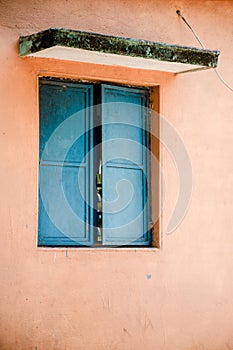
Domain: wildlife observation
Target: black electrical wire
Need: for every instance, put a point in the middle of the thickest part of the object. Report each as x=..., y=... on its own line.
x=200, y=42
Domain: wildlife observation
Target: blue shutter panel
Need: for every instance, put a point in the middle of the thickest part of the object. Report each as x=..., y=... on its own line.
x=125, y=175
x=65, y=164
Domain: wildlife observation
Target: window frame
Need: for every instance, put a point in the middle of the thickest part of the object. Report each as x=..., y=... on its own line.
x=155, y=148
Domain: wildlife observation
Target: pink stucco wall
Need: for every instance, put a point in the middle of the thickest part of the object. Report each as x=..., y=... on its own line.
x=96, y=299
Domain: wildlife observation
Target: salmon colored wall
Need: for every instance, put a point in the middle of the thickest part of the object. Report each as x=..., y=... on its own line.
x=175, y=298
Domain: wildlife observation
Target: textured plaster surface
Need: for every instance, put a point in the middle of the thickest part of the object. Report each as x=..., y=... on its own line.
x=102, y=300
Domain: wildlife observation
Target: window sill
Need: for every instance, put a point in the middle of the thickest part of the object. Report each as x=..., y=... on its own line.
x=97, y=249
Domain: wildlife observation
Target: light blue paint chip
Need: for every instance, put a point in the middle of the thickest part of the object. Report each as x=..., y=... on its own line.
x=148, y=276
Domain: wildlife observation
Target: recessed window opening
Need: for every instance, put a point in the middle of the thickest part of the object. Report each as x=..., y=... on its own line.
x=94, y=165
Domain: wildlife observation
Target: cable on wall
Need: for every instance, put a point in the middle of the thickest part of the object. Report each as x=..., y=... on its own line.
x=202, y=45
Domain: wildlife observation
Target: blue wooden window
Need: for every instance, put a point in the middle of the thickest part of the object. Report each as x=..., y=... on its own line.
x=87, y=129
x=125, y=166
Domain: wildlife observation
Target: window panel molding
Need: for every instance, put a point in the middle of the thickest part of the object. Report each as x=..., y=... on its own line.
x=151, y=238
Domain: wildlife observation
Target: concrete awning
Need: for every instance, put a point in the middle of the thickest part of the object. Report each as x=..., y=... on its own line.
x=79, y=46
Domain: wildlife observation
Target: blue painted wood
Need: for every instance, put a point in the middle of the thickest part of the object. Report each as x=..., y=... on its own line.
x=67, y=178
x=65, y=173
x=126, y=177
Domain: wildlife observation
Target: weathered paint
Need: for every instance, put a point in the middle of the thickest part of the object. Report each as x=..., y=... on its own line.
x=125, y=157
x=99, y=299
x=65, y=115
x=68, y=162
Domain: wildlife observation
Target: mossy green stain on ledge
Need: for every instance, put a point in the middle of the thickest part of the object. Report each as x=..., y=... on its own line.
x=117, y=45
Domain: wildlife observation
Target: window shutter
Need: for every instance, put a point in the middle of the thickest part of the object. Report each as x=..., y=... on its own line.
x=126, y=206
x=66, y=178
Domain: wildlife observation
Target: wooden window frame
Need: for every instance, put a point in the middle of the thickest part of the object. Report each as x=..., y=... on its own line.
x=155, y=149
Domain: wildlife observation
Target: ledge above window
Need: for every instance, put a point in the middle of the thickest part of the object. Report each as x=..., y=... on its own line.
x=79, y=46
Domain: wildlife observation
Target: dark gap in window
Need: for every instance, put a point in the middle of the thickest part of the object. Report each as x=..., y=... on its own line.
x=98, y=164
